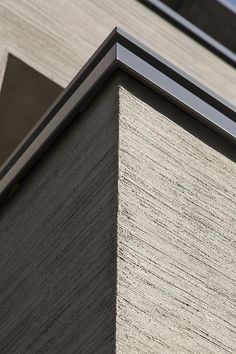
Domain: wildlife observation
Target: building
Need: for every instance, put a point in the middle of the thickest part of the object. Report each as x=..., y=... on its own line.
x=117, y=220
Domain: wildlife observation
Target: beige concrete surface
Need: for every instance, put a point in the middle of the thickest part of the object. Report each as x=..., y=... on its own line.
x=176, y=287
x=57, y=37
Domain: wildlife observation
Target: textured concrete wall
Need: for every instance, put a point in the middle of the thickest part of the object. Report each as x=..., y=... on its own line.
x=58, y=243
x=57, y=37
x=176, y=288
x=174, y=183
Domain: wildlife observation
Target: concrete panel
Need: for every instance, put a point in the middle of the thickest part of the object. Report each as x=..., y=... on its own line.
x=176, y=231
x=58, y=243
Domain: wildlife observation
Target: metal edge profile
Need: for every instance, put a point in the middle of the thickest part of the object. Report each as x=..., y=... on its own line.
x=193, y=31
x=118, y=51
x=229, y=5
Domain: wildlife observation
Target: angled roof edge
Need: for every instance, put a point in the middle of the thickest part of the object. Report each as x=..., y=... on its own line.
x=192, y=30
x=118, y=51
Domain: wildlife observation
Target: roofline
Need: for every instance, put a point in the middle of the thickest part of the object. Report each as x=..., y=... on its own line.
x=228, y=4
x=193, y=31
x=118, y=51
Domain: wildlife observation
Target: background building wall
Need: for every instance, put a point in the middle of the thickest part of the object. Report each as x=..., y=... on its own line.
x=57, y=37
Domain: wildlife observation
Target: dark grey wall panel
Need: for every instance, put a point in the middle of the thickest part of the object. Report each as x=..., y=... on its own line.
x=57, y=243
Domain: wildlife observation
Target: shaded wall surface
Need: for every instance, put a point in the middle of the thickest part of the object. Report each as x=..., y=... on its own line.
x=24, y=97
x=58, y=244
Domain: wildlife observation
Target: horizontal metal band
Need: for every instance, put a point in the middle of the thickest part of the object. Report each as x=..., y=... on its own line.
x=192, y=30
x=119, y=51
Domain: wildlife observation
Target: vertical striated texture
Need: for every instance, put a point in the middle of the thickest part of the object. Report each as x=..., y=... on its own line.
x=58, y=243
x=176, y=231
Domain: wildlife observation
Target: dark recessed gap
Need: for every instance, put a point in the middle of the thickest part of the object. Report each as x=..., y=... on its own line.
x=25, y=95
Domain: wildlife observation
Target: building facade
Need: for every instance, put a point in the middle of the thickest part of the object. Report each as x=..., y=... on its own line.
x=117, y=216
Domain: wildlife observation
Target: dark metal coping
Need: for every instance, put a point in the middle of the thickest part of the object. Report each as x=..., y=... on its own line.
x=118, y=51
x=193, y=31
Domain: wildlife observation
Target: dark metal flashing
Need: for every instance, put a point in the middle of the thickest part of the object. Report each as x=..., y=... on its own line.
x=193, y=31
x=119, y=51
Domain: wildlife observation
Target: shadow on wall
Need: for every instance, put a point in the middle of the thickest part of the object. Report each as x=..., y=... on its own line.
x=25, y=96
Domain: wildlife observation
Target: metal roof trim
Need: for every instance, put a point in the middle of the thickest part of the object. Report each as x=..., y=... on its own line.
x=192, y=30
x=118, y=51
